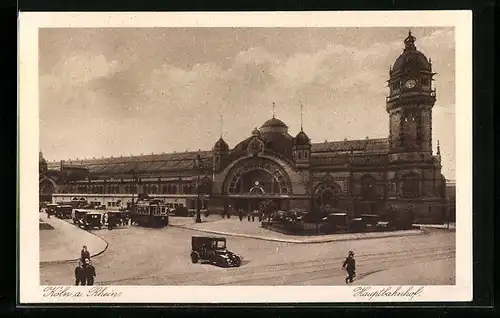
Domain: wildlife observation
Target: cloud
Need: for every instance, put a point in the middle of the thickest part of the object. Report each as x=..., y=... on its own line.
x=163, y=101
x=82, y=68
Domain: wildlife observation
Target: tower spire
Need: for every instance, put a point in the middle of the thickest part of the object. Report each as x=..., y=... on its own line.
x=221, y=126
x=438, y=149
x=274, y=106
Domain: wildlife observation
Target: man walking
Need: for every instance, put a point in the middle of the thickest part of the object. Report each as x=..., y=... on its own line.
x=84, y=254
x=350, y=266
x=89, y=271
x=79, y=274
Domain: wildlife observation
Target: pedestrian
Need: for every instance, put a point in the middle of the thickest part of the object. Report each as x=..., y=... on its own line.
x=248, y=217
x=84, y=254
x=89, y=272
x=111, y=221
x=240, y=215
x=350, y=266
x=79, y=274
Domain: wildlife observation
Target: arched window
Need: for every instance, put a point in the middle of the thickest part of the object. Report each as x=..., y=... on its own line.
x=174, y=189
x=368, y=191
x=153, y=189
x=327, y=195
x=185, y=189
x=164, y=189
x=411, y=185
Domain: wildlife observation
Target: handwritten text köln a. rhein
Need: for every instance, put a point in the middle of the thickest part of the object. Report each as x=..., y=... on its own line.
x=67, y=291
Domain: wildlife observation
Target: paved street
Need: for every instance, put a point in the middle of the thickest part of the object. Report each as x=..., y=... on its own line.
x=145, y=256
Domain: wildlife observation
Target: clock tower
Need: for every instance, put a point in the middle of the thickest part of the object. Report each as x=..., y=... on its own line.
x=410, y=101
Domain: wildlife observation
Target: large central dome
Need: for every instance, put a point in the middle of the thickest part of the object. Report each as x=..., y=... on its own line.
x=274, y=125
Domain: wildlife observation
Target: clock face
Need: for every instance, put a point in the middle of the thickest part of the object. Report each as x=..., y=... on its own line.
x=410, y=83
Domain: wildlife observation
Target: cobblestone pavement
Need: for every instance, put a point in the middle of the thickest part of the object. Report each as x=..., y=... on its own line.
x=146, y=256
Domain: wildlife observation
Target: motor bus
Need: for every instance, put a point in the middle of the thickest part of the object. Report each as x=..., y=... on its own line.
x=149, y=212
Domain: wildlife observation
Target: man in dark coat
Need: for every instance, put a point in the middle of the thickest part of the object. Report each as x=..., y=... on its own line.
x=111, y=221
x=89, y=272
x=350, y=266
x=84, y=254
x=79, y=274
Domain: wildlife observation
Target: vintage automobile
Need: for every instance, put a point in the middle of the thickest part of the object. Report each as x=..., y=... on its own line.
x=93, y=219
x=337, y=221
x=363, y=223
x=213, y=250
x=370, y=220
x=116, y=218
x=51, y=209
x=64, y=211
x=88, y=219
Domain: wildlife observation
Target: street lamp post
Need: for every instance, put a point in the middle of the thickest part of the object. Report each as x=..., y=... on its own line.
x=134, y=188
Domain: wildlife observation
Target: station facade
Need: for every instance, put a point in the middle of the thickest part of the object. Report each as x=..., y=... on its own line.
x=399, y=173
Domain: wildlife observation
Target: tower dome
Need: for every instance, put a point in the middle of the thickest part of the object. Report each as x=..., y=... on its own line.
x=301, y=139
x=274, y=125
x=411, y=59
x=221, y=145
x=42, y=164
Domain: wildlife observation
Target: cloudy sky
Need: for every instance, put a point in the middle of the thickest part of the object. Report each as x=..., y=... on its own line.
x=112, y=92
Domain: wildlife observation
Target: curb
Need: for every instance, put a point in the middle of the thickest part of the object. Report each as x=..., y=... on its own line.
x=64, y=261
x=295, y=241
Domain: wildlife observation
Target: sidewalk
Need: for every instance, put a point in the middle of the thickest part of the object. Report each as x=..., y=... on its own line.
x=451, y=226
x=64, y=242
x=187, y=220
x=235, y=227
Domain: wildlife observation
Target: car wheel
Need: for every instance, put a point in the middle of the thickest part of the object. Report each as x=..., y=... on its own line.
x=237, y=262
x=99, y=227
x=194, y=258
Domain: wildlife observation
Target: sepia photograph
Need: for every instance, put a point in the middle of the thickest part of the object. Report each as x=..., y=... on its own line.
x=247, y=156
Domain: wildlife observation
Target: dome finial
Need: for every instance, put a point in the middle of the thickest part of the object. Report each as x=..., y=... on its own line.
x=438, y=149
x=274, y=106
x=410, y=41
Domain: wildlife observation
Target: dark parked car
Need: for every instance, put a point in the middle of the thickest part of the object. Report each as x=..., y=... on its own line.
x=213, y=250
x=88, y=219
x=370, y=220
x=337, y=221
x=64, y=211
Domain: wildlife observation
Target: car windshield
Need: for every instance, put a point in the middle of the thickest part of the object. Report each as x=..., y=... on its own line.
x=220, y=245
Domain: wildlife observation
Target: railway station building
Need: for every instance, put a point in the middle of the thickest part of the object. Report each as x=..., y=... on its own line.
x=399, y=173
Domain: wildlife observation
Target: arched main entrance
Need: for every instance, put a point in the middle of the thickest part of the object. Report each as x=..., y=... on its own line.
x=256, y=179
